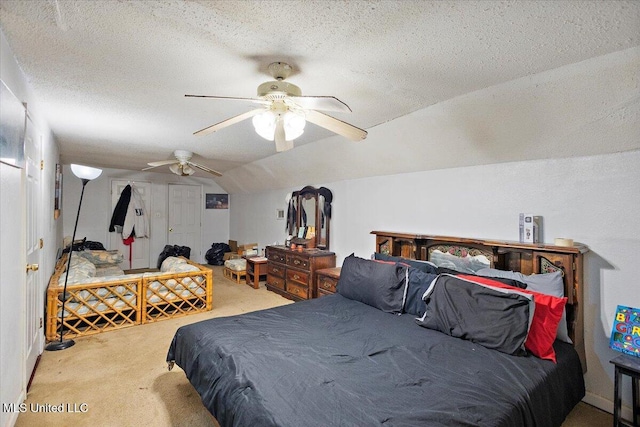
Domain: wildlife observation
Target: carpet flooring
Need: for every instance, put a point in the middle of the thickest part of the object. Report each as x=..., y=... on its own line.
x=120, y=378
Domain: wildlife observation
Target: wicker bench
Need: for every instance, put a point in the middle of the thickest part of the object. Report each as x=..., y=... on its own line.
x=100, y=304
x=235, y=269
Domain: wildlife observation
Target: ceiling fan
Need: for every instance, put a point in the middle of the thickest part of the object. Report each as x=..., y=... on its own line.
x=182, y=164
x=284, y=111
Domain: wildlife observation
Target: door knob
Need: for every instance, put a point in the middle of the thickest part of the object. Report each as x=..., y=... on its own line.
x=32, y=267
x=171, y=229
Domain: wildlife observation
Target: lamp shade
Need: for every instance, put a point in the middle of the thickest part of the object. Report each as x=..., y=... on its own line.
x=85, y=172
x=181, y=170
x=265, y=124
x=293, y=125
x=187, y=170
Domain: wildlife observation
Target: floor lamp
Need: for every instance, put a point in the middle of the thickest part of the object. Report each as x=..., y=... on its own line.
x=86, y=174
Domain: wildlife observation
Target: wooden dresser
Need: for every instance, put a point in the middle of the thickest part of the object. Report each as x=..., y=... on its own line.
x=292, y=273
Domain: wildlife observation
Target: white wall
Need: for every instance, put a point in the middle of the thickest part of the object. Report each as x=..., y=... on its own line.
x=96, y=212
x=12, y=241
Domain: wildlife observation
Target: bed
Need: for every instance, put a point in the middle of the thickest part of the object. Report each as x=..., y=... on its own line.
x=350, y=359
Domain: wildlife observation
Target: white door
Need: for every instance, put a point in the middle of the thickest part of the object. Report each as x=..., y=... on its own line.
x=139, y=249
x=185, y=204
x=34, y=306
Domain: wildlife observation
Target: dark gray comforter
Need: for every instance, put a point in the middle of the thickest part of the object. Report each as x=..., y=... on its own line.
x=337, y=362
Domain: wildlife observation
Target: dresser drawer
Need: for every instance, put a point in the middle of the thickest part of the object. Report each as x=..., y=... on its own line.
x=276, y=270
x=277, y=257
x=297, y=276
x=327, y=281
x=298, y=290
x=298, y=261
x=276, y=282
x=327, y=284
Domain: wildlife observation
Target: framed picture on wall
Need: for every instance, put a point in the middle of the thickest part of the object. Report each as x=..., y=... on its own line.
x=13, y=123
x=217, y=201
x=57, y=194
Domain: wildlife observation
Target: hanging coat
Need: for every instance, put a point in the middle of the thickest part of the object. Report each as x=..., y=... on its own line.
x=135, y=222
x=120, y=211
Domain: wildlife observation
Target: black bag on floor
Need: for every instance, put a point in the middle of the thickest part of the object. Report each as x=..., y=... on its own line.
x=215, y=255
x=84, y=244
x=173, y=250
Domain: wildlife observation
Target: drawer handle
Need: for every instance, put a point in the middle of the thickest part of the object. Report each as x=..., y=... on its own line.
x=326, y=285
x=296, y=277
x=297, y=262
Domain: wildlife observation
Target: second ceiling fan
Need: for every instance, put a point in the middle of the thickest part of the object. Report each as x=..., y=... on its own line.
x=284, y=111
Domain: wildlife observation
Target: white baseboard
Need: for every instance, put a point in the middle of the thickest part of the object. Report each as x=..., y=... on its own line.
x=606, y=405
x=13, y=417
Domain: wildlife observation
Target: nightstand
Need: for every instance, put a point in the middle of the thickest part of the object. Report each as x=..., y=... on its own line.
x=256, y=267
x=626, y=365
x=326, y=281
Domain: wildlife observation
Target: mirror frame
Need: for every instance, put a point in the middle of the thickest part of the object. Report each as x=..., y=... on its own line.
x=305, y=194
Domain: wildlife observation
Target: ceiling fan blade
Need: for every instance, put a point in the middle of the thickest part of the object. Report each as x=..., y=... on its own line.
x=280, y=137
x=228, y=122
x=160, y=163
x=232, y=98
x=335, y=125
x=324, y=103
x=204, y=168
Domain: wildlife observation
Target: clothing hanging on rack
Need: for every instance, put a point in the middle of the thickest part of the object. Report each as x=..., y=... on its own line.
x=135, y=222
x=120, y=211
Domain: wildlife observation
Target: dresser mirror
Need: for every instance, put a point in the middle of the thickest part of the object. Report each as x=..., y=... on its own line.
x=308, y=205
x=313, y=214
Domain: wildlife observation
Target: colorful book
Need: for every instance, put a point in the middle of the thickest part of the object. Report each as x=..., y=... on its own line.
x=625, y=335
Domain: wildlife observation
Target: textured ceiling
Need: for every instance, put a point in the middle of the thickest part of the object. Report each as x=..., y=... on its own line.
x=111, y=76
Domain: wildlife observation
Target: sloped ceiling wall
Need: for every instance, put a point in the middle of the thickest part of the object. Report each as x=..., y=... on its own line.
x=588, y=108
x=111, y=77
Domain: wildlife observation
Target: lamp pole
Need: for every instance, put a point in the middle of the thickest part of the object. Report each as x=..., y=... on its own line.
x=86, y=174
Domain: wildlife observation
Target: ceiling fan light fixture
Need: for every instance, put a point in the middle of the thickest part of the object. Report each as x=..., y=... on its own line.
x=265, y=125
x=188, y=170
x=182, y=170
x=293, y=125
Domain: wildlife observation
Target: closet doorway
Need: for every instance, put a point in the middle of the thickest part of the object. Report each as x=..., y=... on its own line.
x=138, y=251
x=185, y=207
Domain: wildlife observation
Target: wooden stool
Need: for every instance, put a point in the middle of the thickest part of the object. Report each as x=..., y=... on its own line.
x=233, y=274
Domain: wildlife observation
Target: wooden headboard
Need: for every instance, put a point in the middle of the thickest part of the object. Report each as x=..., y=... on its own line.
x=505, y=255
